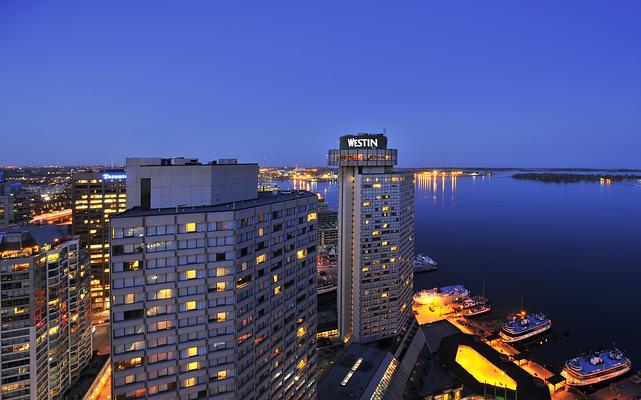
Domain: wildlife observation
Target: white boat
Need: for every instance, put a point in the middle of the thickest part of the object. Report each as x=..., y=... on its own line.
x=591, y=368
x=523, y=326
x=425, y=259
x=472, y=306
x=421, y=264
x=443, y=295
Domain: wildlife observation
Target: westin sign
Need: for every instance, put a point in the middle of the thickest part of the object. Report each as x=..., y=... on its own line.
x=356, y=142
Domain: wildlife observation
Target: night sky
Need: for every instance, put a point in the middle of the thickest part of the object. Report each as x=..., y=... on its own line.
x=466, y=83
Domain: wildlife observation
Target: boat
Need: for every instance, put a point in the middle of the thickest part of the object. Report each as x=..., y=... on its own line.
x=425, y=259
x=442, y=295
x=596, y=367
x=423, y=263
x=523, y=326
x=474, y=306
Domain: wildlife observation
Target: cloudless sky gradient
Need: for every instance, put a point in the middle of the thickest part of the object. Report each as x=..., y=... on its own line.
x=466, y=83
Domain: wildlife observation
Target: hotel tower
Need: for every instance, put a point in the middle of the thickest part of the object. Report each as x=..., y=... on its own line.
x=375, y=239
x=213, y=285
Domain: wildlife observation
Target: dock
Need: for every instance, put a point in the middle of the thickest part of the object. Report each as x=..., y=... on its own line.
x=625, y=389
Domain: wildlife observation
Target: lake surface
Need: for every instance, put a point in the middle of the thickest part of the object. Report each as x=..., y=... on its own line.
x=572, y=250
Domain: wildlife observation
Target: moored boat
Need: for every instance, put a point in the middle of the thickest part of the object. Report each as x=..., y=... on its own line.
x=420, y=263
x=473, y=306
x=596, y=367
x=425, y=259
x=523, y=326
x=442, y=295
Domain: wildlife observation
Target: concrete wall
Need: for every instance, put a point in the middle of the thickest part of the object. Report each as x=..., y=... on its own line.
x=191, y=185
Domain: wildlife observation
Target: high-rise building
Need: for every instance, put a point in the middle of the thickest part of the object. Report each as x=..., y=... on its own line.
x=327, y=225
x=15, y=204
x=96, y=196
x=213, y=285
x=375, y=239
x=45, y=320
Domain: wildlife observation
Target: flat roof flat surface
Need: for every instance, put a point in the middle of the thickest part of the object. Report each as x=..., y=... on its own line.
x=330, y=387
x=527, y=387
x=263, y=199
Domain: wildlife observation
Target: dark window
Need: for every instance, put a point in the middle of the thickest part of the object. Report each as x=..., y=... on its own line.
x=145, y=193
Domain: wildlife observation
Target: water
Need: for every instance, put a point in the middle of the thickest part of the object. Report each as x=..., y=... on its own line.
x=572, y=250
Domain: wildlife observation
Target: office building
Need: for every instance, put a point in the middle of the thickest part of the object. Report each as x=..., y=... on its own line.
x=96, y=196
x=45, y=320
x=375, y=239
x=15, y=204
x=213, y=285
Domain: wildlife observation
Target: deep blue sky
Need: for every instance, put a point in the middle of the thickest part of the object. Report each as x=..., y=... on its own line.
x=496, y=83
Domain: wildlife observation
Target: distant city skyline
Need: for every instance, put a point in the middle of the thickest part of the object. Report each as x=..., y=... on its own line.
x=495, y=84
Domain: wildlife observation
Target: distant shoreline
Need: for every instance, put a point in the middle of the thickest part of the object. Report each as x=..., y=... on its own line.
x=573, y=178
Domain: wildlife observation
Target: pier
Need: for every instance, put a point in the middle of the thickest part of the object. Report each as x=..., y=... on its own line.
x=625, y=389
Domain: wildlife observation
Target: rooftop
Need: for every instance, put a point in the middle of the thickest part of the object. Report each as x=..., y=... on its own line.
x=23, y=241
x=350, y=377
x=181, y=161
x=263, y=199
x=527, y=387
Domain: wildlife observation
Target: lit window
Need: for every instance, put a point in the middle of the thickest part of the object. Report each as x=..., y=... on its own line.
x=190, y=305
x=367, y=204
x=261, y=259
x=190, y=274
x=277, y=290
x=20, y=267
x=221, y=316
x=300, y=254
x=165, y=294
x=275, y=278
x=222, y=374
x=311, y=217
x=189, y=382
x=376, y=233
x=192, y=351
x=192, y=366
x=190, y=227
x=376, y=185
x=221, y=286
